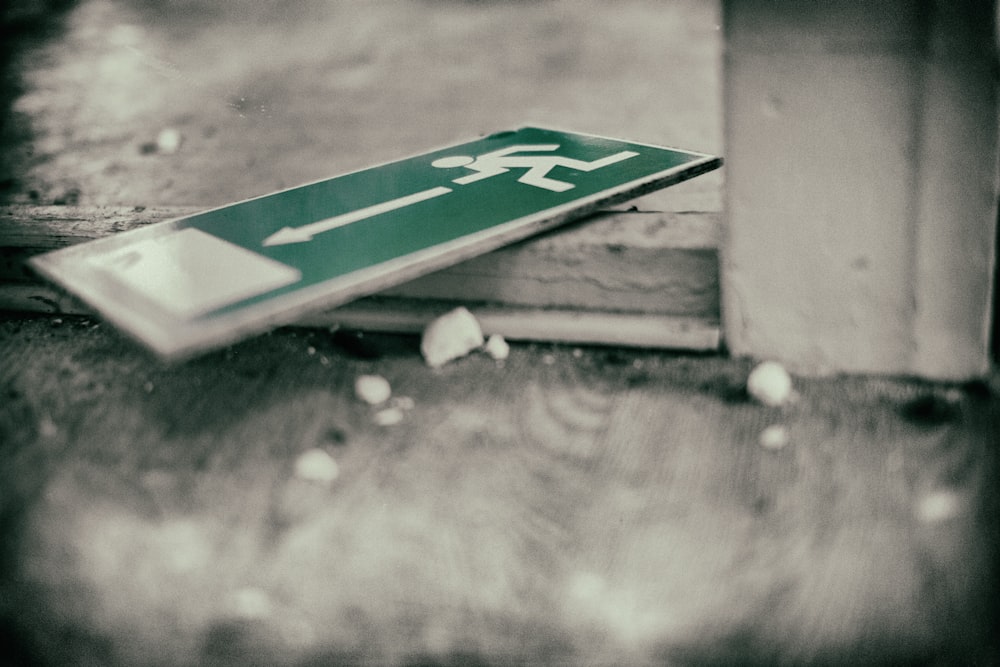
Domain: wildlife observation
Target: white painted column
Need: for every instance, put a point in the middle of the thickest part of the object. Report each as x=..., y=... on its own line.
x=861, y=172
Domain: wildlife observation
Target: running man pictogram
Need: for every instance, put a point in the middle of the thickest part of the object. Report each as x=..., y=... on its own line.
x=538, y=166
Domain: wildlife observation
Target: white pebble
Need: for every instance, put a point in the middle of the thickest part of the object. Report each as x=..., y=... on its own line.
x=774, y=436
x=497, y=347
x=449, y=337
x=770, y=384
x=168, y=141
x=315, y=465
x=388, y=416
x=372, y=389
x=938, y=506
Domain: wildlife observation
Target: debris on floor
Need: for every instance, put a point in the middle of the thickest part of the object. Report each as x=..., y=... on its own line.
x=168, y=141
x=389, y=416
x=938, y=506
x=376, y=391
x=769, y=383
x=774, y=437
x=315, y=465
x=497, y=347
x=394, y=412
x=451, y=336
x=372, y=389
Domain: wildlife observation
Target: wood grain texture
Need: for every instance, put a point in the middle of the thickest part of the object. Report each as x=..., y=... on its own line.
x=570, y=506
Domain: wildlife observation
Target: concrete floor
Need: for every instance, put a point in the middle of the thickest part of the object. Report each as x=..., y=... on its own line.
x=571, y=506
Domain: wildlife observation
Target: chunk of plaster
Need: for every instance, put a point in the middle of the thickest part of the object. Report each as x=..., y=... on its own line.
x=372, y=389
x=449, y=337
x=315, y=465
x=770, y=384
x=774, y=436
x=497, y=347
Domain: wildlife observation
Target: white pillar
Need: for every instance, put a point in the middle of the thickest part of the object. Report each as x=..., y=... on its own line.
x=861, y=174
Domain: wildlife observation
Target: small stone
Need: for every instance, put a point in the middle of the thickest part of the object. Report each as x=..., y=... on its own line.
x=168, y=141
x=311, y=351
x=938, y=506
x=548, y=359
x=770, y=384
x=148, y=387
x=315, y=465
x=774, y=436
x=497, y=347
x=449, y=337
x=388, y=416
x=372, y=389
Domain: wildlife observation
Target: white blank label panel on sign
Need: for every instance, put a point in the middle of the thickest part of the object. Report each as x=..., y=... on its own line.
x=190, y=272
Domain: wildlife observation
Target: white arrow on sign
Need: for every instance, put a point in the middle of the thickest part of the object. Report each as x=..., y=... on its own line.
x=287, y=235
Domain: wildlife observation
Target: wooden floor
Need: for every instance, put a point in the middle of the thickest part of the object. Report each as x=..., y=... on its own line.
x=569, y=506
x=573, y=506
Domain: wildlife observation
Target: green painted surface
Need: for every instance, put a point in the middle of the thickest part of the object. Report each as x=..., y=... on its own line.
x=467, y=209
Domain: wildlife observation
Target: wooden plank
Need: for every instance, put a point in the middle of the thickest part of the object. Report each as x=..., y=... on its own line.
x=619, y=328
x=620, y=277
x=402, y=315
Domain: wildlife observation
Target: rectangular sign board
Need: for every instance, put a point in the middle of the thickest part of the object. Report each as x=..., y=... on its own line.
x=209, y=279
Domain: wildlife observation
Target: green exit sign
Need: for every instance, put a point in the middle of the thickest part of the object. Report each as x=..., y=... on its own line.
x=211, y=278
